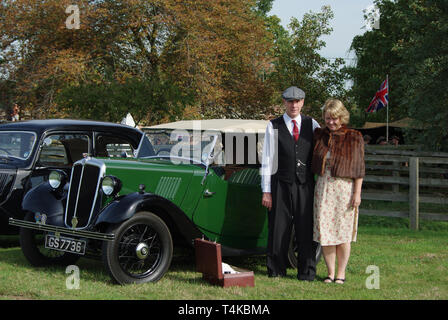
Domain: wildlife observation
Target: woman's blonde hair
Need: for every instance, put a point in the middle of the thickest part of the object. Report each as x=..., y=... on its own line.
x=336, y=109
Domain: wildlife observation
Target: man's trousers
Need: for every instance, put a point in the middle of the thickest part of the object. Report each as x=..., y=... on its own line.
x=292, y=205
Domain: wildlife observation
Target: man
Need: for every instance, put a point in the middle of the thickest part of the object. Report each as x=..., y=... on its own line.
x=14, y=116
x=288, y=187
x=395, y=140
x=367, y=139
x=381, y=140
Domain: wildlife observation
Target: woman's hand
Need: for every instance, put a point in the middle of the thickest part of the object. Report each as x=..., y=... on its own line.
x=356, y=200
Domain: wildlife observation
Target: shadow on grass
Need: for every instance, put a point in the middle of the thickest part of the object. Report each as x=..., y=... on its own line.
x=184, y=263
x=9, y=241
x=196, y=280
x=95, y=268
x=13, y=256
x=184, y=259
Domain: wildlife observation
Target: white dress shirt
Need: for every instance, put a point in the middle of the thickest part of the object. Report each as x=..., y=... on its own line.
x=269, y=155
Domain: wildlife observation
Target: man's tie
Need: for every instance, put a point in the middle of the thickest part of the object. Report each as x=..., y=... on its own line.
x=295, y=131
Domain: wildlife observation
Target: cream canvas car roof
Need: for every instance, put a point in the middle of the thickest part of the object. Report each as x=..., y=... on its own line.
x=223, y=125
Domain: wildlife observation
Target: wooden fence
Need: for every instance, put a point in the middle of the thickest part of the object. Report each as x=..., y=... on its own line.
x=405, y=174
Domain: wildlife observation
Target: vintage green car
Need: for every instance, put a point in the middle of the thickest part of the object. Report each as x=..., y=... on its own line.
x=200, y=180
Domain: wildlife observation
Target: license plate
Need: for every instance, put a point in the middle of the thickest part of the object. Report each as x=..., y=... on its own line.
x=65, y=244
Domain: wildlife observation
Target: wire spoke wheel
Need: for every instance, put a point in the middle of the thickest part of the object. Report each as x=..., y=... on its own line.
x=142, y=250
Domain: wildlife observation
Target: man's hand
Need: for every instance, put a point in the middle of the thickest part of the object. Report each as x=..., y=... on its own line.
x=266, y=201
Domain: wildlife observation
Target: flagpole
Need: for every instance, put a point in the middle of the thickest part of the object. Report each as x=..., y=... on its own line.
x=387, y=107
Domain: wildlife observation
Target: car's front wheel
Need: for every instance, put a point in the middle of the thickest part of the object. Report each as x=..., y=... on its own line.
x=32, y=243
x=141, y=251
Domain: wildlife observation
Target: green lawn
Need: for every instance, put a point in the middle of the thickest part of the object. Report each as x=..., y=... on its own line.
x=412, y=265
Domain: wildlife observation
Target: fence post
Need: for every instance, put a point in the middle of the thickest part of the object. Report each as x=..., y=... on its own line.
x=413, y=193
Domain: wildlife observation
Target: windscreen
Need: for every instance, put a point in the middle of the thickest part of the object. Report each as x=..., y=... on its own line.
x=16, y=145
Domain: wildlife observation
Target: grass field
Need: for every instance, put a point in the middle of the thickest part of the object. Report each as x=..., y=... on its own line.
x=411, y=265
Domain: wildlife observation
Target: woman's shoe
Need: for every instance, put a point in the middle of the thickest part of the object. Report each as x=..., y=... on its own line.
x=341, y=281
x=328, y=280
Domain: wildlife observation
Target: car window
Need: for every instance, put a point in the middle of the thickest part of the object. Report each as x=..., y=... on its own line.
x=161, y=142
x=17, y=144
x=63, y=149
x=113, y=147
x=186, y=144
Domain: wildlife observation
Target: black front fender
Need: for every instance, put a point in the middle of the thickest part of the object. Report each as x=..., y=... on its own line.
x=122, y=208
x=125, y=207
x=44, y=200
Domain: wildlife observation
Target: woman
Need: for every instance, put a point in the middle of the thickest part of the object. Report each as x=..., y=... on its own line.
x=338, y=160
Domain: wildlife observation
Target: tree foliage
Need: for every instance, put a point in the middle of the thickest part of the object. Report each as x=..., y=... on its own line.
x=147, y=100
x=411, y=46
x=425, y=71
x=162, y=59
x=210, y=50
x=377, y=57
x=299, y=63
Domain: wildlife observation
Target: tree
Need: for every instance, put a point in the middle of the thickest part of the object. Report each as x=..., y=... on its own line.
x=411, y=47
x=212, y=51
x=376, y=57
x=219, y=49
x=298, y=61
x=262, y=7
x=425, y=71
x=149, y=101
x=39, y=52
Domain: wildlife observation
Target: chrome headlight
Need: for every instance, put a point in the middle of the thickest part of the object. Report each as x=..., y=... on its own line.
x=57, y=178
x=111, y=185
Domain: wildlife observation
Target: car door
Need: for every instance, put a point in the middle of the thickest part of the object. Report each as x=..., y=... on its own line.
x=230, y=212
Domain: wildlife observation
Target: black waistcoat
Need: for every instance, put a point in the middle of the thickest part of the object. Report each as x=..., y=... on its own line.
x=294, y=158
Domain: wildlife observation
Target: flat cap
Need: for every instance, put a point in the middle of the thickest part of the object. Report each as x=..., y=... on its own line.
x=293, y=93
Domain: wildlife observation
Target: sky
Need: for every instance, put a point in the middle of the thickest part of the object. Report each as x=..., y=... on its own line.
x=348, y=21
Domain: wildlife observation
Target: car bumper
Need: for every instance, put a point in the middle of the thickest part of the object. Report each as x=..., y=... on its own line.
x=62, y=230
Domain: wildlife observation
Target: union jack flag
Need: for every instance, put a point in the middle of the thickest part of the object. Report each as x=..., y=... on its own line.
x=381, y=98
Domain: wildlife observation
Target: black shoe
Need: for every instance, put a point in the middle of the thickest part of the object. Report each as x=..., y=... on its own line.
x=272, y=274
x=305, y=278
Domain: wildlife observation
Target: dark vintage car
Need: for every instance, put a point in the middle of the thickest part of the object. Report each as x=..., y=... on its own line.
x=201, y=180
x=30, y=150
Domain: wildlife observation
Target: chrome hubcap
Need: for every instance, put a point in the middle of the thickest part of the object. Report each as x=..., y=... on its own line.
x=142, y=251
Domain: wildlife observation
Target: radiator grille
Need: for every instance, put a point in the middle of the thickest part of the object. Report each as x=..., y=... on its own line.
x=83, y=192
